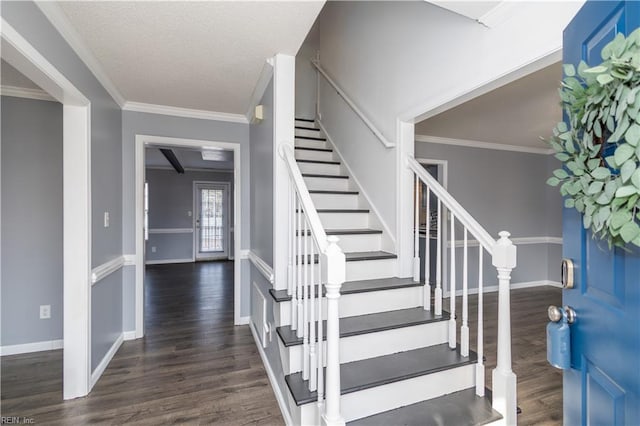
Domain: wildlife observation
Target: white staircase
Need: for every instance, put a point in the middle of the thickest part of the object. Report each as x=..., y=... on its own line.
x=397, y=356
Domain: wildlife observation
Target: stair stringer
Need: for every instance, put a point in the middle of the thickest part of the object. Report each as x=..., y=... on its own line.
x=388, y=237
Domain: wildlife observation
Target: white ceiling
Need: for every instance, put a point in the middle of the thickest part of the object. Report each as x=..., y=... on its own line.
x=189, y=158
x=196, y=55
x=518, y=113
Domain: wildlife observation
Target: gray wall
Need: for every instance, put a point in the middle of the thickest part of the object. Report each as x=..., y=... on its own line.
x=106, y=151
x=137, y=123
x=31, y=220
x=505, y=190
x=262, y=147
x=306, y=87
x=170, y=198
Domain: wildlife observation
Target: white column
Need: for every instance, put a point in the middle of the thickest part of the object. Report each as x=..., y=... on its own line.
x=335, y=274
x=504, y=380
x=464, y=330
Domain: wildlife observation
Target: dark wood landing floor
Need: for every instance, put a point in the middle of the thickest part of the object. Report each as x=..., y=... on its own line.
x=193, y=367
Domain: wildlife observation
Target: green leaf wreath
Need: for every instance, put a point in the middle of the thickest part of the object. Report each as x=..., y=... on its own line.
x=600, y=146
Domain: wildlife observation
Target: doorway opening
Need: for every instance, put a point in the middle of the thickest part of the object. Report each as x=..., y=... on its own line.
x=187, y=208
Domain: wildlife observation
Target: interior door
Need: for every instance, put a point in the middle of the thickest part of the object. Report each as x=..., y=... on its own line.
x=211, y=220
x=603, y=385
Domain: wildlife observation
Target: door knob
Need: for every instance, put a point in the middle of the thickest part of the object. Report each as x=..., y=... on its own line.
x=559, y=336
x=556, y=314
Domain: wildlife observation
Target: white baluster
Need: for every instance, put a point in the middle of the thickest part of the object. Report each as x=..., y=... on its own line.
x=438, y=292
x=480, y=364
x=305, y=334
x=335, y=275
x=291, y=241
x=299, y=259
x=416, y=232
x=504, y=380
x=464, y=330
x=292, y=258
x=319, y=351
x=427, y=255
x=452, y=286
x=313, y=378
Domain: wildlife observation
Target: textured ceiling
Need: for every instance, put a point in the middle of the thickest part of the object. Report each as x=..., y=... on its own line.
x=198, y=55
x=518, y=113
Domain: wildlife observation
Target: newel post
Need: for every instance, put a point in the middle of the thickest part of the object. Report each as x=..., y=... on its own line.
x=504, y=380
x=335, y=273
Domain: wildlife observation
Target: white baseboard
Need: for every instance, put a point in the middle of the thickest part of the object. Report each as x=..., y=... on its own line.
x=97, y=373
x=514, y=286
x=243, y=321
x=166, y=261
x=282, y=401
x=25, y=348
x=129, y=335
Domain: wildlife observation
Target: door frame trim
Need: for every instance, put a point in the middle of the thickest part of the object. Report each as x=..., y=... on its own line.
x=226, y=253
x=76, y=205
x=141, y=142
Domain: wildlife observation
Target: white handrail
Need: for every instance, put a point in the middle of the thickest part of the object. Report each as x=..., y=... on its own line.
x=317, y=231
x=353, y=106
x=461, y=214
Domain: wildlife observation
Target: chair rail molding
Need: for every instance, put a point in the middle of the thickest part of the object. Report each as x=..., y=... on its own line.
x=102, y=271
x=261, y=265
x=483, y=145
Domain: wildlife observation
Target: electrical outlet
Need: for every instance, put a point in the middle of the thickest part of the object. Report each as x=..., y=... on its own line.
x=189, y=213
x=153, y=249
x=45, y=311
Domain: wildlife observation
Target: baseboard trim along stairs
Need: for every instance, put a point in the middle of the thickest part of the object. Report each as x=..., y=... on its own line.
x=398, y=362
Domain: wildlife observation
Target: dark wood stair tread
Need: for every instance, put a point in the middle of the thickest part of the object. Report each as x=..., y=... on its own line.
x=318, y=162
x=370, y=323
x=463, y=408
x=331, y=191
x=362, y=286
x=358, y=256
x=307, y=128
x=368, y=373
x=313, y=138
x=308, y=120
x=358, y=231
x=318, y=175
x=313, y=149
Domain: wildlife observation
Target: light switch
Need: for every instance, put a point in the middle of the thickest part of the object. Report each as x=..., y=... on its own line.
x=189, y=213
x=106, y=219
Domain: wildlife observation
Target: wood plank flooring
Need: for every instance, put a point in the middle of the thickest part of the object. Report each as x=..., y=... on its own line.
x=195, y=367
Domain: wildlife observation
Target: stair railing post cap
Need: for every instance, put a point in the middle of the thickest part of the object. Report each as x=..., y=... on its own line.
x=504, y=253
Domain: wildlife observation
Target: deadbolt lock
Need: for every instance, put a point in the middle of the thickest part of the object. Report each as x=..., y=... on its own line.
x=567, y=275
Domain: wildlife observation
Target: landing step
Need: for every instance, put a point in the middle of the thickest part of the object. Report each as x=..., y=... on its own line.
x=358, y=231
x=304, y=148
x=370, y=323
x=463, y=408
x=319, y=162
x=306, y=128
x=315, y=175
x=368, y=373
x=358, y=256
x=308, y=120
x=364, y=286
x=310, y=137
x=324, y=191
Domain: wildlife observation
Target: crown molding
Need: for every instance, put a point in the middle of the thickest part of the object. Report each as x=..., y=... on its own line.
x=261, y=86
x=184, y=112
x=60, y=22
x=27, y=93
x=483, y=145
x=499, y=14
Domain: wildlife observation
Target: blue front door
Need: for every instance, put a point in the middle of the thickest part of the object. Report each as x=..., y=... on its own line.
x=603, y=385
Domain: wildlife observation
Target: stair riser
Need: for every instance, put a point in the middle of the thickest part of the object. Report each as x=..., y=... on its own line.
x=303, y=154
x=371, y=269
x=327, y=184
x=370, y=345
x=335, y=201
x=361, y=303
x=301, y=123
x=375, y=400
x=312, y=133
x=344, y=220
x=320, y=168
x=311, y=143
x=352, y=242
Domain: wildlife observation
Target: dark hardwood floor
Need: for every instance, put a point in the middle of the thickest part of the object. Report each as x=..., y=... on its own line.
x=193, y=366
